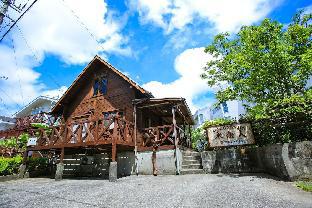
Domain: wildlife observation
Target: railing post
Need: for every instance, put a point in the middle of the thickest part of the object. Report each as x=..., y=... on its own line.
x=79, y=132
x=65, y=134
x=96, y=131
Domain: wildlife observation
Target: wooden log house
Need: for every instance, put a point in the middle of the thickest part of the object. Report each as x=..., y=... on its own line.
x=104, y=109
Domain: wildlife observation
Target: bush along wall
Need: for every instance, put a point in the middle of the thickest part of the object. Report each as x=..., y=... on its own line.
x=9, y=166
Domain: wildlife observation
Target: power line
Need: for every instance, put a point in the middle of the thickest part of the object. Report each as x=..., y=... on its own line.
x=10, y=98
x=1, y=100
x=18, y=76
x=18, y=19
x=78, y=19
x=36, y=57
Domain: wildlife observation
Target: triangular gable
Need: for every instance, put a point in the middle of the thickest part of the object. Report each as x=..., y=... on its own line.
x=57, y=106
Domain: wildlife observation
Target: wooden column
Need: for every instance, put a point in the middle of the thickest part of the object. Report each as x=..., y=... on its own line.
x=135, y=140
x=175, y=140
x=62, y=155
x=155, y=147
x=25, y=155
x=190, y=135
x=114, y=140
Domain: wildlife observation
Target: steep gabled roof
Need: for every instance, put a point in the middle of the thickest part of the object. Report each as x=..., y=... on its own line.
x=96, y=60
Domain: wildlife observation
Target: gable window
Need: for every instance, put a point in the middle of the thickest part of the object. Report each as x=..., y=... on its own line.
x=100, y=86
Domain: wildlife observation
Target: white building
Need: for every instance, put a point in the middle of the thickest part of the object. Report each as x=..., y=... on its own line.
x=6, y=123
x=39, y=105
x=230, y=109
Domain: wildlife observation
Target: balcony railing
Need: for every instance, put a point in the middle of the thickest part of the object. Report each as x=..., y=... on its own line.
x=84, y=133
x=164, y=135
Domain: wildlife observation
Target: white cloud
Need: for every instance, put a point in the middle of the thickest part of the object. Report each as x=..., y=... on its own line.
x=189, y=65
x=152, y=11
x=51, y=27
x=224, y=15
x=70, y=28
x=55, y=93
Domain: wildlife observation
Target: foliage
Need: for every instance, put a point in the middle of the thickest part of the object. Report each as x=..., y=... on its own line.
x=217, y=122
x=199, y=140
x=12, y=142
x=9, y=166
x=44, y=126
x=304, y=185
x=287, y=120
x=268, y=66
x=8, y=143
x=40, y=125
x=37, y=163
x=293, y=107
x=262, y=63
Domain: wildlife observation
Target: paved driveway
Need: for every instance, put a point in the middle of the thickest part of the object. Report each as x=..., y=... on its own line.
x=160, y=191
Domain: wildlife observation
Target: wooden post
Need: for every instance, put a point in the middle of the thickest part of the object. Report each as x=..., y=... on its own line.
x=96, y=131
x=25, y=156
x=155, y=147
x=135, y=141
x=62, y=155
x=190, y=135
x=175, y=140
x=114, y=140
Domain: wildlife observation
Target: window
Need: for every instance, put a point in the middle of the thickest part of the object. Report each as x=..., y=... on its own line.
x=100, y=87
x=225, y=107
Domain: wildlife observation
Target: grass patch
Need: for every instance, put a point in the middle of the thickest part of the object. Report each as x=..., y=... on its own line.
x=305, y=185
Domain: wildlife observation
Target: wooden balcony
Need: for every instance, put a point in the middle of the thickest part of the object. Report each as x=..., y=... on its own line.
x=86, y=133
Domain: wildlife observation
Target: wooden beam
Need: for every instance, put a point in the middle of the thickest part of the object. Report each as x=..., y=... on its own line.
x=114, y=140
x=154, y=160
x=62, y=155
x=135, y=140
x=176, y=142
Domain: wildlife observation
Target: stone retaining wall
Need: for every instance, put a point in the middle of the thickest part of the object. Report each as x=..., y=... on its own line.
x=287, y=161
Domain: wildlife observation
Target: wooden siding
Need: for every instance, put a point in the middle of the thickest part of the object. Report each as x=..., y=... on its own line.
x=119, y=96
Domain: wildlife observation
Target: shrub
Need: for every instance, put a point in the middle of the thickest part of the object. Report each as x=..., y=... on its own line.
x=282, y=121
x=199, y=140
x=9, y=166
x=37, y=163
x=304, y=185
x=218, y=122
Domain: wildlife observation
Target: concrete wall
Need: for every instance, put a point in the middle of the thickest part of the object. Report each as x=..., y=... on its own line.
x=98, y=164
x=287, y=161
x=165, y=161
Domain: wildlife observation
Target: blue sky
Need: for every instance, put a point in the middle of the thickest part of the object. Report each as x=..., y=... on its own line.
x=159, y=44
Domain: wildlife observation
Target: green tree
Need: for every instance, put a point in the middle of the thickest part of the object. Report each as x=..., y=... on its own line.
x=262, y=63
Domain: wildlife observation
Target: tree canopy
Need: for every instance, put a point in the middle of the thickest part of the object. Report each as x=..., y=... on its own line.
x=262, y=63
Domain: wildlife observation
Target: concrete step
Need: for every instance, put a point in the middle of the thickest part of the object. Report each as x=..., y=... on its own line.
x=190, y=153
x=189, y=157
x=191, y=166
x=192, y=171
x=190, y=162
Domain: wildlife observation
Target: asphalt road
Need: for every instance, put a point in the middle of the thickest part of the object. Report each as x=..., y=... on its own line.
x=150, y=191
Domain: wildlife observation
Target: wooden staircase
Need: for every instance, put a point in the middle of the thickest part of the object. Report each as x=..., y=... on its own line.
x=191, y=163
